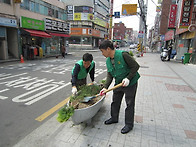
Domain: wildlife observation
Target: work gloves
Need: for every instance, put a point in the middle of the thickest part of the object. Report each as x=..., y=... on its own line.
x=102, y=92
x=74, y=90
x=125, y=82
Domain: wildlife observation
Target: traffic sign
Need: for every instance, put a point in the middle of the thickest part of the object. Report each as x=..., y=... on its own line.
x=117, y=14
x=129, y=9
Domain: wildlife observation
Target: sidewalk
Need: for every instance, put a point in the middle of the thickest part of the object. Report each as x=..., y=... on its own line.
x=165, y=114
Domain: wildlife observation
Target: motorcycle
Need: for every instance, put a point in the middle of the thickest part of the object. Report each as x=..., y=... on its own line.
x=164, y=54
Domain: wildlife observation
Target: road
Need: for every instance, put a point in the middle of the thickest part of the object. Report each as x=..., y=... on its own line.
x=32, y=89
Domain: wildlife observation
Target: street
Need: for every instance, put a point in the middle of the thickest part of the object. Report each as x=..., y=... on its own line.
x=30, y=89
x=164, y=113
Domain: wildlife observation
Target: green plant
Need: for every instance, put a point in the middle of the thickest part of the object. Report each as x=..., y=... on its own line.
x=131, y=53
x=67, y=111
x=86, y=91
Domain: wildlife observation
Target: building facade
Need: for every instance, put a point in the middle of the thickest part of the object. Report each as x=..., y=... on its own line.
x=37, y=28
x=89, y=22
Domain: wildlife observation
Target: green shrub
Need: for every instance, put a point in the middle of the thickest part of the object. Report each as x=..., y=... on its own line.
x=131, y=53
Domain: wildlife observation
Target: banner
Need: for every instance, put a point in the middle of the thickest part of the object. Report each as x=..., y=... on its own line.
x=172, y=16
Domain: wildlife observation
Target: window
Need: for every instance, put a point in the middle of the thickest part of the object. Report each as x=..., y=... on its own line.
x=25, y=4
x=32, y=6
x=6, y=1
x=86, y=40
x=37, y=7
x=74, y=40
x=42, y=9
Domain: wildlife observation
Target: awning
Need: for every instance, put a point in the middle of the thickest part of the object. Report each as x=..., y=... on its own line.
x=38, y=33
x=58, y=34
x=169, y=35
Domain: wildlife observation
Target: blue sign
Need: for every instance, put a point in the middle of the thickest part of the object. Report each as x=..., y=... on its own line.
x=117, y=14
x=162, y=37
x=8, y=22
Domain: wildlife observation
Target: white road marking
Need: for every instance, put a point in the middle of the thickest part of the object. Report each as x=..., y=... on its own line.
x=13, y=76
x=44, y=95
x=3, y=97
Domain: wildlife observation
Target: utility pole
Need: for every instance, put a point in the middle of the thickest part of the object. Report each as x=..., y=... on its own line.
x=145, y=26
x=111, y=15
x=142, y=27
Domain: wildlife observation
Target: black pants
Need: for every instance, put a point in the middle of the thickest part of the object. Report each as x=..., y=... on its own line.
x=80, y=83
x=130, y=93
x=63, y=54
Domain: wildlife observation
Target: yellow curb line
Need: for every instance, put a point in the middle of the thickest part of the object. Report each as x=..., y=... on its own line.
x=52, y=110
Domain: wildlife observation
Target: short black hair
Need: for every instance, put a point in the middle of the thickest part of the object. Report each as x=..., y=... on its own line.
x=105, y=44
x=87, y=57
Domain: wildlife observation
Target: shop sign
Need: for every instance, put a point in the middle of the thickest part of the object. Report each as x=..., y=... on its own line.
x=83, y=9
x=8, y=22
x=186, y=13
x=70, y=11
x=100, y=22
x=85, y=31
x=96, y=33
x=158, y=8
x=76, y=31
x=83, y=16
x=30, y=23
x=57, y=26
x=172, y=16
x=181, y=45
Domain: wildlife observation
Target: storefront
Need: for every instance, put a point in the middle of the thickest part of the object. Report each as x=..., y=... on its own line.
x=184, y=42
x=33, y=38
x=84, y=38
x=59, y=32
x=8, y=38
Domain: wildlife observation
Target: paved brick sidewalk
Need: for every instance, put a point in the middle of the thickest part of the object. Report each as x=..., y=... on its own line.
x=165, y=114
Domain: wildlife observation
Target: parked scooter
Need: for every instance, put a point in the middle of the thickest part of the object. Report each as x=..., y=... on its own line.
x=164, y=54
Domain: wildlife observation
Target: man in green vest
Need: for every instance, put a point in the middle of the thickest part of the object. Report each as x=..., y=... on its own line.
x=123, y=68
x=80, y=71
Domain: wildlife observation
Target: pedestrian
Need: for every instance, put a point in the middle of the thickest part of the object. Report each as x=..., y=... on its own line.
x=123, y=68
x=63, y=50
x=169, y=52
x=80, y=71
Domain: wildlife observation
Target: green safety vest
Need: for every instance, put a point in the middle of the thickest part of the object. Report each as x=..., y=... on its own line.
x=121, y=69
x=82, y=73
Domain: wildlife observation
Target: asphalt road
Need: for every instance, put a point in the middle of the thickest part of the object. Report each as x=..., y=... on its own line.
x=28, y=90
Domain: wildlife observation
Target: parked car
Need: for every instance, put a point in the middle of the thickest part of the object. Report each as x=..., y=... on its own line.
x=132, y=46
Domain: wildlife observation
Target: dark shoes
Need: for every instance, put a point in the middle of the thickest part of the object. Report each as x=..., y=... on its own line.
x=126, y=129
x=110, y=121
